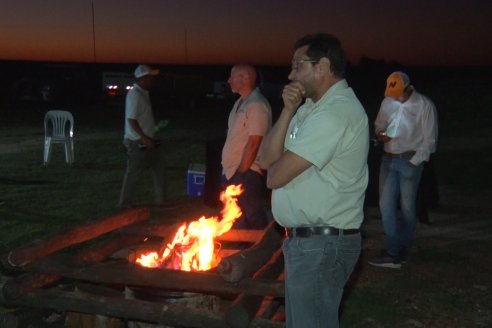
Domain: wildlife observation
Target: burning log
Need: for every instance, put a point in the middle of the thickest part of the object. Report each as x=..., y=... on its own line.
x=165, y=230
x=243, y=309
x=124, y=273
x=24, y=284
x=241, y=235
x=40, y=248
x=245, y=263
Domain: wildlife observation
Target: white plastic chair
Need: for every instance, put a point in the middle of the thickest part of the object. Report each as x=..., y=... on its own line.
x=58, y=128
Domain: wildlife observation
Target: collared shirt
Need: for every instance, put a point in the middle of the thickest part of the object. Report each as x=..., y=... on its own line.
x=412, y=125
x=333, y=135
x=138, y=107
x=248, y=117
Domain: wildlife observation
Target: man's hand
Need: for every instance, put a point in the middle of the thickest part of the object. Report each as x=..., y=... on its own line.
x=383, y=137
x=148, y=142
x=292, y=96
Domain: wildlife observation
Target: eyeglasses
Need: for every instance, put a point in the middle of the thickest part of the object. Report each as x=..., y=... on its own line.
x=299, y=62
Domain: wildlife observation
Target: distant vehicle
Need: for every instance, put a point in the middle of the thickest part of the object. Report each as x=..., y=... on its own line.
x=116, y=84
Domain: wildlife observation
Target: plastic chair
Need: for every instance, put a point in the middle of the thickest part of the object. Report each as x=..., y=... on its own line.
x=58, y=128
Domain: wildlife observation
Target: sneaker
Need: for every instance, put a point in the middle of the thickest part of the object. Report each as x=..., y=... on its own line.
x=386, y=261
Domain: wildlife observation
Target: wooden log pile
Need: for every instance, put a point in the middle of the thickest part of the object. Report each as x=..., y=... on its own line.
x=47, y=276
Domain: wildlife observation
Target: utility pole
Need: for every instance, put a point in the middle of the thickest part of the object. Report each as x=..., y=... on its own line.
x=93, y=32
x=186, y=45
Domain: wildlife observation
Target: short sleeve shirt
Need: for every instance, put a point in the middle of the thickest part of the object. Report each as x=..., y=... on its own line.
x=333, y=135
x=250, y=117
x=138, y=107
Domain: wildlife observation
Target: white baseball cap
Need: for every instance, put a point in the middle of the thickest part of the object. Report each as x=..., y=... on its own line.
x=143, y=70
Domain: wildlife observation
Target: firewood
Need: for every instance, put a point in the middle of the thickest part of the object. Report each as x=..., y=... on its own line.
x=125, y=273
x=244, y=308
x=25, y=283
x=145, y=311
x=165, y=230
x=245, y=263
x=119, y=307
x=24, y=255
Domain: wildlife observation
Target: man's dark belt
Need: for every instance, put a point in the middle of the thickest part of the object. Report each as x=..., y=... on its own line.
x=406, y=155
x=318, y=231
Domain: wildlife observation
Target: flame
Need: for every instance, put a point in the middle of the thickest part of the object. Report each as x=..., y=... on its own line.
x=193, y=246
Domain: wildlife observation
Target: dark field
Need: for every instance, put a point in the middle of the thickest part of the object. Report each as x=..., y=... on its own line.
x=447, y=282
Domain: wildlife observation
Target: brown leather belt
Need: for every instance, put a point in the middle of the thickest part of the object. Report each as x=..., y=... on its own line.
x=406, y=155
x=318, y=231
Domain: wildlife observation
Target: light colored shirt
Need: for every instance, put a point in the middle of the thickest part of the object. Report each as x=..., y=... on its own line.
x=138, y=107
x=333, y=135
x=249, y=117
x=412, y=125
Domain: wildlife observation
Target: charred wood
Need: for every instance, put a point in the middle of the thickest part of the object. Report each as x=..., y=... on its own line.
x=165, y=231
x=244, y=308
x=145, y=311
x=123, y=272
x=25, y=283
x=40, y=248
x=245, y=263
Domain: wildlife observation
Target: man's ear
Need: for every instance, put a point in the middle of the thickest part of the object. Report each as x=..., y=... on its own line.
x=325, y=65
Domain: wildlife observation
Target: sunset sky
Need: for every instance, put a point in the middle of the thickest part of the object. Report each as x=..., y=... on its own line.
x=419, y=32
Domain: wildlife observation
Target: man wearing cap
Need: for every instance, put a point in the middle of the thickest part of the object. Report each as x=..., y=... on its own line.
x=141, y=147
x=407, y=124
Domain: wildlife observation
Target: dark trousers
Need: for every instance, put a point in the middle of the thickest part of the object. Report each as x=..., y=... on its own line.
x=251, y=201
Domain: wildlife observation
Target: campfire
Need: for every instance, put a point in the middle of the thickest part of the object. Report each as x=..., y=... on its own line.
x=191, y=259
x=193, y=247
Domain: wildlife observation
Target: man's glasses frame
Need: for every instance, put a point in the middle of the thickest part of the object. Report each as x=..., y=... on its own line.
x=299, y=62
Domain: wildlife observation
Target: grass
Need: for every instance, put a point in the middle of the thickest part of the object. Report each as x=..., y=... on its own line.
x=444, y=286
x=41, y=200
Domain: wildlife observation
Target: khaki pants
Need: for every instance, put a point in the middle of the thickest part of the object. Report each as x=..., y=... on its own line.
x=139, y=159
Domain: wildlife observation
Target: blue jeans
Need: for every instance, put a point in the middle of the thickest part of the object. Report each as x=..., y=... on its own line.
x=251, y=201
x=398, y=181
x=316, y=270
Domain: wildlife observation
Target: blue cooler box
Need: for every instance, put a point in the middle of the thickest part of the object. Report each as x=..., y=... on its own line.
x=195, y=180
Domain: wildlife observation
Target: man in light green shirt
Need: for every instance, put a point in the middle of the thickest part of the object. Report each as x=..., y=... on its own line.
x=316, y=156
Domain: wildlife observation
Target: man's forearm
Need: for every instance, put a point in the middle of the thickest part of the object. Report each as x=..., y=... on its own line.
x=273, y=144
x=250, y=153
